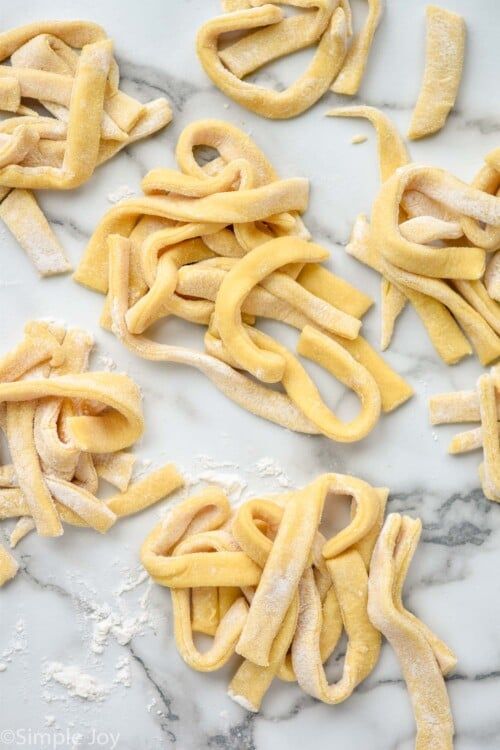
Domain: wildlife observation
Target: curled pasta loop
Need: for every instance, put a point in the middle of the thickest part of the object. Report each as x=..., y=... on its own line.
x=168, y=565
x=254, y=643
x=269, y=43
x=57, y=417
x=230, y=143
x=349, y=575
x=117, y=428
x=446, y=262
x=303, y=392
x=271, y=601
x=333, y=357
x=306, y=90
x=255, y=266
x=347, y=556
x=422, y=657
x=488, y=237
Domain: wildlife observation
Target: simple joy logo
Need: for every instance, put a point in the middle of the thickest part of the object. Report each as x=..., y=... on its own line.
x=53, y=740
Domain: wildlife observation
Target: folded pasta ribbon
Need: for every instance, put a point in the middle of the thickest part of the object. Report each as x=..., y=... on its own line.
x=423, y=657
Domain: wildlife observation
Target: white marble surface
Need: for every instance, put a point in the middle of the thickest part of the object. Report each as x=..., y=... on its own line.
x=66, y=587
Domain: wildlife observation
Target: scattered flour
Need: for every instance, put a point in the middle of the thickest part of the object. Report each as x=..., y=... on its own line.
x=79, y=684
x=131, y=581
x=114, y=624
x=207, y=462
x=123, y=674
x=18, y=644
x=121, y=192
x=50, y=721
x=232, y=484
x=269, y=467
x=106, y=363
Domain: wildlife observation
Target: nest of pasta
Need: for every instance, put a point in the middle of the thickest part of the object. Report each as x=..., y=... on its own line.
x=264, y=582
x=221, y=245
x=435, y=240
x=77, y=119
x=66, y=428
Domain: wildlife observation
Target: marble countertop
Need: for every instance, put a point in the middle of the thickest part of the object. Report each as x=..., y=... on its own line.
x=82, y=601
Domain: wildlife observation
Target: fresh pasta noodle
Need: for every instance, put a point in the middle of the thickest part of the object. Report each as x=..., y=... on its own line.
x=348, y=80
x=392, y=154
x=338, y=63
x=424, y=659
x=443, y=70
x=65, y=427
x=221, y=246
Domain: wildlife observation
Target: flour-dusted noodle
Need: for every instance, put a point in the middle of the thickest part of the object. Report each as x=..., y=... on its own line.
x=421, y=655
x=444, y=57
x=307, y=89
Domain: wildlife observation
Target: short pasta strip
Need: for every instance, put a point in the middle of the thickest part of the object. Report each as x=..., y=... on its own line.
x=445, y=47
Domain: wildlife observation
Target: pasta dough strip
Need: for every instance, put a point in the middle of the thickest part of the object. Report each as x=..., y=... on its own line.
x=272, y=600
x=490, y=470
x=444, y=55
x=445, y=334
x=415, y=652
x=147, y=491
x=23, y=217
x=349, y=78
x=8, y=566
x=113, y=430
